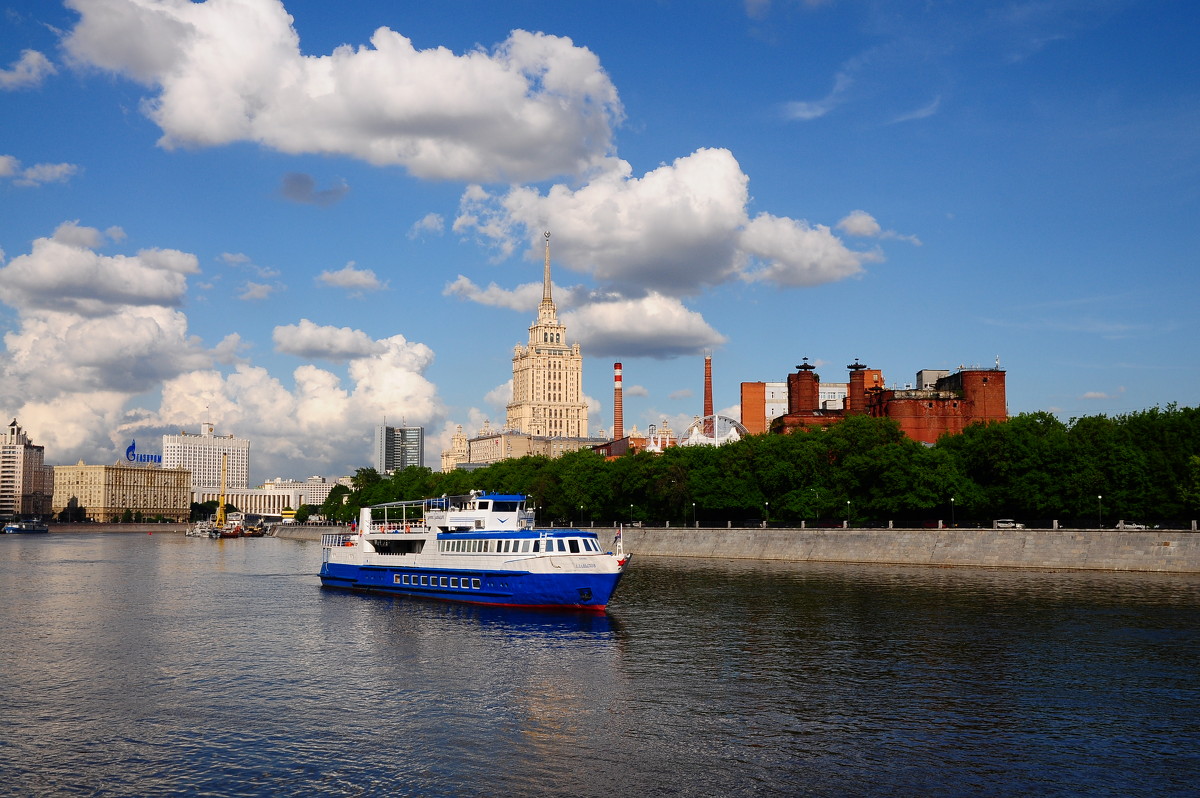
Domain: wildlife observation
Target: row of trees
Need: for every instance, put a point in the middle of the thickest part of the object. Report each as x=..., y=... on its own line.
x=1035, y=468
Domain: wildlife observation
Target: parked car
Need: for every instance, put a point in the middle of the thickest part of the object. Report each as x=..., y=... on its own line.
x=1131, y=525
x=1007, y=523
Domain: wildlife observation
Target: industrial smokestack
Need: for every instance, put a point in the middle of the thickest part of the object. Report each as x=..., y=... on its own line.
x=618, y=405
x=708, y=407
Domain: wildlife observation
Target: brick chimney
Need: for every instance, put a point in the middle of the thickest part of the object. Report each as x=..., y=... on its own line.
x=804, y=389
x=856, y=399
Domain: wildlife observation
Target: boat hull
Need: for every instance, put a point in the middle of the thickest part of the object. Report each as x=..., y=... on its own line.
x=590, y=591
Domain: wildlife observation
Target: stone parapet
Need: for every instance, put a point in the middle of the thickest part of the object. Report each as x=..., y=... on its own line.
x=1173, y=551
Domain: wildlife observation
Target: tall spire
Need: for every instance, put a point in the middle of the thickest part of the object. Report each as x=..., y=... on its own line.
x=547, y=313
x=546, y=272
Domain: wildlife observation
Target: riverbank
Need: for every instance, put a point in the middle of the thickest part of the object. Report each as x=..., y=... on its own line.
x=1167, y=551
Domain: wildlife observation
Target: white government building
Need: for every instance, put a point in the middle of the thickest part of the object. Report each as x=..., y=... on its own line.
x=202, y=455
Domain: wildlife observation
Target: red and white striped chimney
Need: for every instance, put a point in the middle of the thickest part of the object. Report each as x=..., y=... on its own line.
x=708, y=408
x=618, y=405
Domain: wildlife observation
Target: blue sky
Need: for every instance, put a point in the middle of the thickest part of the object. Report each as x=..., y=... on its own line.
x=298, y=219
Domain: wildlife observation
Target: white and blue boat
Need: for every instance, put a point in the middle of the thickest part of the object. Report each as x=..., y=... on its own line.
x=34, y=527
x=483, y=548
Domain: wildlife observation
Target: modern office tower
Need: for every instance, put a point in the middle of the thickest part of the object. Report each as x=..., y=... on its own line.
x=397, y=448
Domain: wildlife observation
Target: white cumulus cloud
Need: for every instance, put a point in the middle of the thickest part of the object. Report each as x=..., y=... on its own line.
x=26, y=72
x=65, y=273
x=798, y=254
x=532, y=107
x=36, y=175
x=96, y=334
x=651, y=326
x=310, y=340
x=356, y=280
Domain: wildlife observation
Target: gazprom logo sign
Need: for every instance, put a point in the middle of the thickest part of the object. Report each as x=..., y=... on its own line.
x=131, y=454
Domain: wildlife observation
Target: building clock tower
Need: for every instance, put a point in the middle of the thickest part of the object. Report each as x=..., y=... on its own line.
x=547, y=393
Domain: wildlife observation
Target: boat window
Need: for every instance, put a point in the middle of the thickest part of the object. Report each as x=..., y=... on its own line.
x=454, y=581
x=536, y=545
x=474, y=584
x=445, y=582
x=562, y=545
x=525, y=547
x=574, y=544
x=424, y=580
x=484, y=504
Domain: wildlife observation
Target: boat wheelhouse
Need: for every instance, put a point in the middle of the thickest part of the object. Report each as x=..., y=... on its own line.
x=483, y=548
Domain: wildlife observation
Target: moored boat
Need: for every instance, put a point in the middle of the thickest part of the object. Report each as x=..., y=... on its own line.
x=25, y=527
x=483, y=548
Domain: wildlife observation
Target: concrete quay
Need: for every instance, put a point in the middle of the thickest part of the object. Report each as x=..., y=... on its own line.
x=1170, y=551
x=1163, y=550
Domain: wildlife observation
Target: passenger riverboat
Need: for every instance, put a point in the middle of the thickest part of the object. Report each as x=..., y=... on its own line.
x=25, y=527
x=483, y=548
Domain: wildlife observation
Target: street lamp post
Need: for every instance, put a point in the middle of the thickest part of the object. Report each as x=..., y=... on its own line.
x=847, y=513
x=1100, y=511
x=766, y=513
x=694, y=514
x=631, y=515
x=951, y=512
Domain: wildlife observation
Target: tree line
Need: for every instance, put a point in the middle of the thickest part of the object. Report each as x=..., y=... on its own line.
x=1097, y=470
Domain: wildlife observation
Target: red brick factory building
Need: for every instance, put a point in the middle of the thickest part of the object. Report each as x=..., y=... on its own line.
x=939, y=402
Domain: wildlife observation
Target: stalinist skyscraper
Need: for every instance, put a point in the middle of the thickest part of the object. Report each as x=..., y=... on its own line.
x=547, y=395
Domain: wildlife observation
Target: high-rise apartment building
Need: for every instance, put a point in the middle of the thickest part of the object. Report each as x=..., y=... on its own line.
x=397, y=448
x=547, y=390
x=25, y=482
x=202, y=455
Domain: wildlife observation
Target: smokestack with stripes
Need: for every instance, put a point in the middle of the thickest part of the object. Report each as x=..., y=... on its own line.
x=618, y=406
x=708, y=407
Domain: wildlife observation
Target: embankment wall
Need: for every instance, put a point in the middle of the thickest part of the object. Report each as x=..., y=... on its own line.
x=1173, y=551
x=1085, y=549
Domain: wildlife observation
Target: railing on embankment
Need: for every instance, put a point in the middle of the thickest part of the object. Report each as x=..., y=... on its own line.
x=1174, y=551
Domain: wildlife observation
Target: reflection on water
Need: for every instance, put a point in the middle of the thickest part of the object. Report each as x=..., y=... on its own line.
x=170, y=665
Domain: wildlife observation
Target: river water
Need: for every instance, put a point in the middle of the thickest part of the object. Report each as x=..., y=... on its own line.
x=164, y=665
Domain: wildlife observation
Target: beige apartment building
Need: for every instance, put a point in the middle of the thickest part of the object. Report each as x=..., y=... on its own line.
x=105, y=492
x=25, y=482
